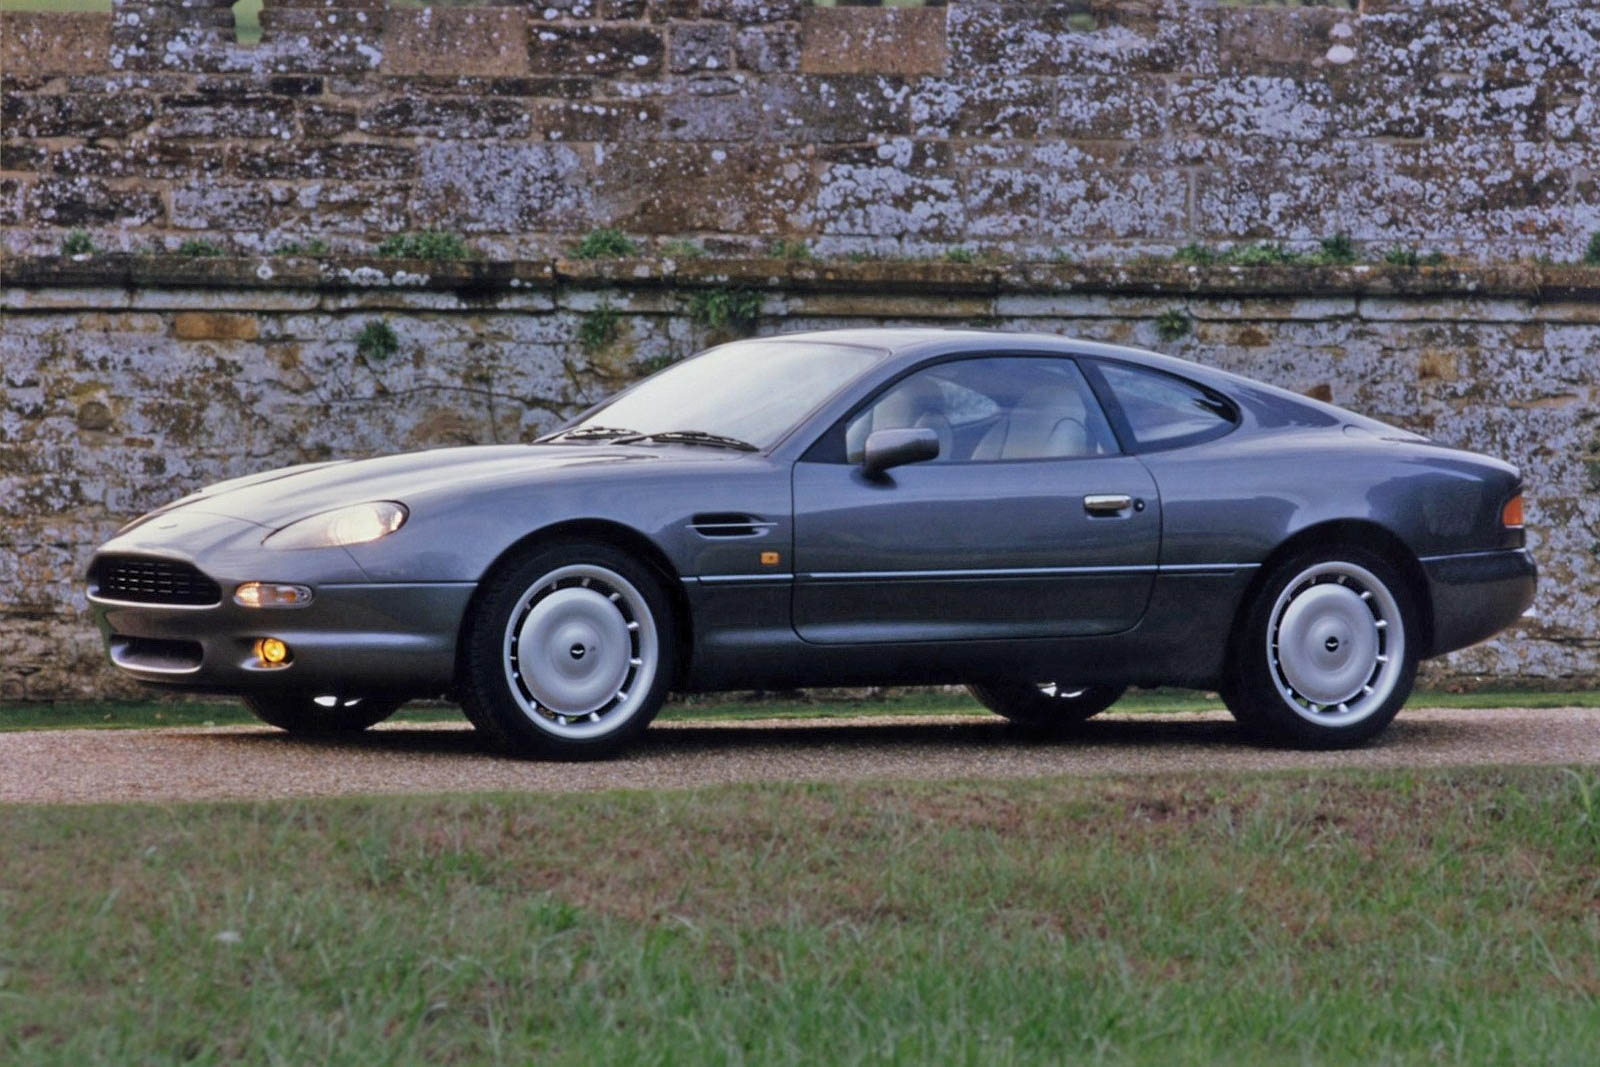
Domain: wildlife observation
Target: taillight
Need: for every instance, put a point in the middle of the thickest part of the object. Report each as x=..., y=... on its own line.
x=1511, y=514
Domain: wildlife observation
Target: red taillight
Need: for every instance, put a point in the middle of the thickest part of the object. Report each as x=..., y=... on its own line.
x=1511, y=514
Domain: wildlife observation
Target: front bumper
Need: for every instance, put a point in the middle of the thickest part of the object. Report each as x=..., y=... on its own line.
x=352, y=638
x=1475, y=595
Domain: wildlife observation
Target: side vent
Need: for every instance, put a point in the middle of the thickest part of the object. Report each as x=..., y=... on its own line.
x=729, y=524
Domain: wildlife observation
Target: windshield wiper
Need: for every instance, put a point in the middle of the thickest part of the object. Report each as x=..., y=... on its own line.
x=591, y=433
x=691, y=437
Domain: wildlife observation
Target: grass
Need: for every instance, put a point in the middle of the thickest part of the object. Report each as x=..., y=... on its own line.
x=146, y=713
x=1334, y=917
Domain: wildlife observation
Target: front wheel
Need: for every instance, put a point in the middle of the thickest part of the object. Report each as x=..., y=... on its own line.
x=1045, y=706
x=308, y=714
x=567, y=653
x=1328, y=652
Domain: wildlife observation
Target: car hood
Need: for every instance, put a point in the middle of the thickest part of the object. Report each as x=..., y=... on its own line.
x=276, y=498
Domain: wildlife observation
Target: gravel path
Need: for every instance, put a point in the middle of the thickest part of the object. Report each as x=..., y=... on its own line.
x=246, y=762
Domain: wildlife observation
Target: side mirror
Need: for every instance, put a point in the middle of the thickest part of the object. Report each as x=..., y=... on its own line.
x=895, y=448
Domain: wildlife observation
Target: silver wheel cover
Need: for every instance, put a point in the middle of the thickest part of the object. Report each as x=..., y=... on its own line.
x=581, y=651
x=1335, y=644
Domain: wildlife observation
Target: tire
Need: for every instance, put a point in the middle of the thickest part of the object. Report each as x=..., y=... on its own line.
x=1044, y=707
x=567, y=653
x=1327, y=653
x=310, y=715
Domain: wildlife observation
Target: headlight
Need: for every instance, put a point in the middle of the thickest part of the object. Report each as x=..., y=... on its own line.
x=354, y=525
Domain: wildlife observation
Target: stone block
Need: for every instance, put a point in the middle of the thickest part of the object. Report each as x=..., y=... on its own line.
x=211, y=326
x=767, y=49
x=78, y=115
x=596, y=49
x=700, y=46
x=77, y=202
x=456, y=41
x=1010, y=109
x=453, y=117
x=350, y=161
x=247, y=115
x=54, y=42
x=671, y=189
x=873, y=40
x=502, y=188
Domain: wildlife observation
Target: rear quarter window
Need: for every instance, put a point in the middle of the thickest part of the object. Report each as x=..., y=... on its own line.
x=1159, y=410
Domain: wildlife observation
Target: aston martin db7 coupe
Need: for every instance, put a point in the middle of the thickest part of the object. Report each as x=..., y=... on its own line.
x=1045, y=520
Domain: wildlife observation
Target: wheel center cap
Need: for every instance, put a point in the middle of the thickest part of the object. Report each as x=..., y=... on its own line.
x=1327, y=644
x=573, y=651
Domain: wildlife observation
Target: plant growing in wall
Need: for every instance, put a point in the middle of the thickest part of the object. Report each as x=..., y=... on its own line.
x=77, y=243
x=681, y=249
x=604, y=243
x=377, y=341
x=198, y=247
x=315, y=246
x=424, y=244
x=1335, y=251
x=600, y=328
x=1173, y=324
x=1591, y=255
x=717, y=309
x=783, y=248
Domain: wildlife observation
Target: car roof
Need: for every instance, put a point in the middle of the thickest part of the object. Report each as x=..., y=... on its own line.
x=916, y=342
x=910, y=344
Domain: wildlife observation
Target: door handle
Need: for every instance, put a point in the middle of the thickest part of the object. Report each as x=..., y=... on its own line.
x=1107, y=503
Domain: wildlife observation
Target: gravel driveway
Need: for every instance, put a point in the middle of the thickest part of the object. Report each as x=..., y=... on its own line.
x=246, y=762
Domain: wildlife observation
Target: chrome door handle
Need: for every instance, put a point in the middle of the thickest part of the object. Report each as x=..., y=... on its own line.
x=1107, y=503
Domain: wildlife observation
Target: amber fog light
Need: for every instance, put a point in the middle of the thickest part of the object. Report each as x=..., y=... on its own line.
x=272, y=652
x=271, y=595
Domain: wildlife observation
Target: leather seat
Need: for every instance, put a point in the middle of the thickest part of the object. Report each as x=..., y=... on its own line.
x=1048, y=424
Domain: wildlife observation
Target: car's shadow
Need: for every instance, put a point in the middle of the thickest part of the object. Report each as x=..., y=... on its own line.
x=707, y=737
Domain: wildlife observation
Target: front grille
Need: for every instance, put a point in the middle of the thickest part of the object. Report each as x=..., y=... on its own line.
x=152, y=581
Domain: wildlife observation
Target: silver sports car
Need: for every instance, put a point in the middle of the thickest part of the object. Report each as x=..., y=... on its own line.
x=1045, y=520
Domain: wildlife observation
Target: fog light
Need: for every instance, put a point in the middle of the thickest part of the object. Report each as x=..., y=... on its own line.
x=271, y=595
x=272, y=652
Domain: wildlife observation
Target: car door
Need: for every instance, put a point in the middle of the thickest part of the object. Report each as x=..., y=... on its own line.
x=1030, y=523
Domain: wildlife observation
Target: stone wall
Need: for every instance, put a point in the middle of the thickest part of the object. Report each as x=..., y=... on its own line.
x=1090, y=128
x=131, y=381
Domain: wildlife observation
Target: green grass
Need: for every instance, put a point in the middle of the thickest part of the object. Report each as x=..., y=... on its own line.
x=1339, y=917
x=127, y=714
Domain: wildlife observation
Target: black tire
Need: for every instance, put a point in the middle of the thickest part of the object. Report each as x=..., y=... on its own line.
x=1038, y=709
x=1303, y=680
x=567, y=592
x=299, y=713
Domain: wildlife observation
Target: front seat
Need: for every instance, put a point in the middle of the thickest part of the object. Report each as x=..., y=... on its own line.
x=915, y=403
x=1048, y=424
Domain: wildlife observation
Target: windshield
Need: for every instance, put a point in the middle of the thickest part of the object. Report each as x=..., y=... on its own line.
x=750, y=391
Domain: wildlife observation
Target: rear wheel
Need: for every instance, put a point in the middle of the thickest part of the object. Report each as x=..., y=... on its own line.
x=1327, y=654
x=1045, y=706
x=310, y=714
x=567, y=653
